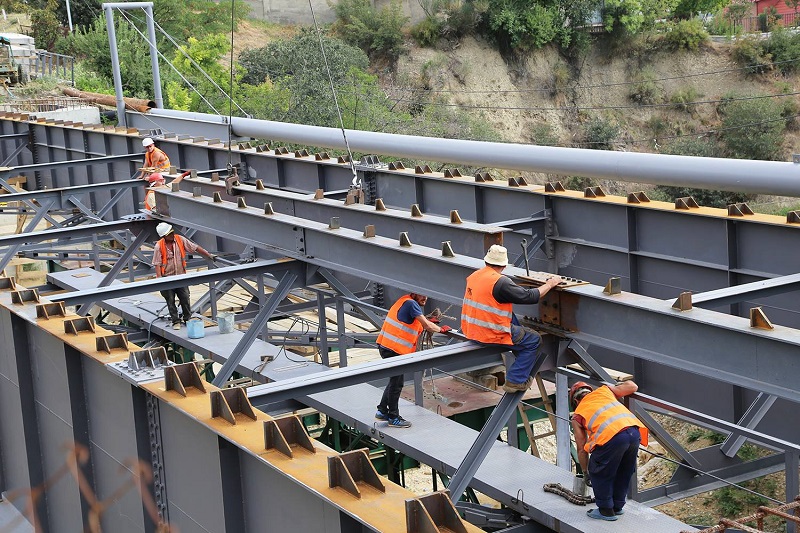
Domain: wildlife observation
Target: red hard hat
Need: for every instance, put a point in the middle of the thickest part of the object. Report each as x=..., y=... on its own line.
x=575, y=388
x=155, y=177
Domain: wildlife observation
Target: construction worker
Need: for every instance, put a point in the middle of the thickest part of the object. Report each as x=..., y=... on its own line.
x=154, y=181
x=605, y=429
x=399, y=333
x=487, y=316
x=155, y=160
x=169, y=259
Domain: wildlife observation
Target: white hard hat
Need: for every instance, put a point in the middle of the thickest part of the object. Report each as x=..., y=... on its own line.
x=147, y=141
x=163, y=229
x=497, y=256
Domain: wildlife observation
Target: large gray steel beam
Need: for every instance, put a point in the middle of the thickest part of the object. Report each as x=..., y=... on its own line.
x=13, y=171
x=467, y=237
x=719, y=346
x=779, y=178
x=462, y=354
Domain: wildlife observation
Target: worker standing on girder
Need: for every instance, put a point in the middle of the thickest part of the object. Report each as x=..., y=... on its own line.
x=155, y=160
x=487, y=316
x=169, y=259
x=399, y=333
x=608, y=431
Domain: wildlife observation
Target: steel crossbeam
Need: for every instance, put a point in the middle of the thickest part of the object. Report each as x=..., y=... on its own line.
x=460, y=355
x=171, y=282
x=66, y=197
x=428, y=230
x=704, y=342
x=71, y=163
x=747, y=291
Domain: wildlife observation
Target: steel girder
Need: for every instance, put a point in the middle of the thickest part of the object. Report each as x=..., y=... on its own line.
x=708, y=343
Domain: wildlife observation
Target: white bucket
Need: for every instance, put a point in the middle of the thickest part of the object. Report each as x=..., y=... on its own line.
x=225, y=322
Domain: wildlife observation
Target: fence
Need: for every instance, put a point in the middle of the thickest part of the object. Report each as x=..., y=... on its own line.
x=762, y=24
x=53, y=65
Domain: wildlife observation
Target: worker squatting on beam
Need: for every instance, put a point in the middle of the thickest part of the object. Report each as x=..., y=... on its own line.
x=487, y=315
x=612, y=434
x=155, y=160
x=399, y=334
x=169, y=259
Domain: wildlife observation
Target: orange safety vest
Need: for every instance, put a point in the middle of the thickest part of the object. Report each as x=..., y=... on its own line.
x=483, y=318
x=150, y=199
x=181, y=250
x=148, y=160
x=605, y=416
x=396, y=335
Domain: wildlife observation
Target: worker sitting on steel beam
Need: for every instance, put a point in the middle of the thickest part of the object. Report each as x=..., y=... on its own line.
x=155, y=160
x=169, y=259
x=487, y=316
x=612, y=434
x=399, y=333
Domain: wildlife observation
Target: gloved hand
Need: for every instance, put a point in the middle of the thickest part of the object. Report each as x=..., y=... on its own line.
x=214, y=257
x=587, y=479
x=444, y=329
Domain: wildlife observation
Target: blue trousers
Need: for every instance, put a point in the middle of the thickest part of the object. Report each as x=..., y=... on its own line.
x=525, y=349
x=611, y=467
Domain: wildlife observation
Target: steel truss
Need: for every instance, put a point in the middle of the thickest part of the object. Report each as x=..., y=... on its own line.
x=627, y=331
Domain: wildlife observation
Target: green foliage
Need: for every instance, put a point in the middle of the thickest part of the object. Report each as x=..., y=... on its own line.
x=690, y=8
x=542, y=134
x=183, y=18
x=646, y=89
x=750, y=54
x=599, y=133
x=177, y=96
x=753, y=129
x=784, y=48
x=294, y=66
x=736, y=12
x=683, y=97
x=520, y=25
x=46, y=27
x=769, y=19
x=379, y=32
x=88, y=80
x=656, y=10
x=559, y=80
x=91, y=45
x=686, y=35
x=623, y=17
x=734, y=502
x=446, y=19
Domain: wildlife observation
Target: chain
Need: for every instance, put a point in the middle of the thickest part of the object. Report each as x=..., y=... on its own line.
x=567, y=494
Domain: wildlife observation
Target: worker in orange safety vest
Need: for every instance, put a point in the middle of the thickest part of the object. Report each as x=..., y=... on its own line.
x=169, y=259
x=487, y=315
x=608, y=431
x=403, y=324
x=155, y=160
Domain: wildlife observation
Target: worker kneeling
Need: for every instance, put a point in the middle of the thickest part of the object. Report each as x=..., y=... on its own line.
x=612, y=434
x=487, y=316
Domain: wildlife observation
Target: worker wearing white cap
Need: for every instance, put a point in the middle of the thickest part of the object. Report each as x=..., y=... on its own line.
x=155, y=160
x=487, y=315
x=169, y=259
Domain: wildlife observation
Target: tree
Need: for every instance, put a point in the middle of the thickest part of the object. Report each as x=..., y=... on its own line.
x=689, y=8
x=46, y=28
x=623, y=16
x=753, y=129
x=738, y=10
x=378, y=32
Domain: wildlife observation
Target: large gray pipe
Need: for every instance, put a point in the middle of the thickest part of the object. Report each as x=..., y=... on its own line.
x=740, y=175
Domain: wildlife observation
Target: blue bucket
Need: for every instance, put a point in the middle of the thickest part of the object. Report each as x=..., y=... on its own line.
x=195, y=327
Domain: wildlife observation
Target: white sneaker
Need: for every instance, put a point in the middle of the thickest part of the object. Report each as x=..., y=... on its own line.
x=176, y=325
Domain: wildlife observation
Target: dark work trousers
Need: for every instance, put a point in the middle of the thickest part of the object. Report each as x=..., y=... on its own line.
x=611, y=467
x=391, y=394
x=183, y=297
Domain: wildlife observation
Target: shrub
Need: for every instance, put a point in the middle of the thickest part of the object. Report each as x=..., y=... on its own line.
x=600, y=133
x=646, y=89
x=753, y=129
x=543, y=135
x=750, y=53
x=682, y=98
x=520, y=26
x=376, y=31
x=784, y=48
x=46, y=27
x=426, y=32
x=686, y=35
x=559, y=80
x=769, y=19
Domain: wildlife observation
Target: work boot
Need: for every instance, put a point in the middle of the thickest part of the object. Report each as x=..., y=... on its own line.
x=509, y=386
x=176, y=325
